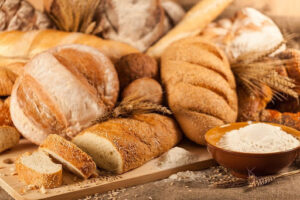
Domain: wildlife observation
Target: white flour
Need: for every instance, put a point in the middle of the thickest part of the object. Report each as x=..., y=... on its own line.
x=176, y=157
x=258, y=138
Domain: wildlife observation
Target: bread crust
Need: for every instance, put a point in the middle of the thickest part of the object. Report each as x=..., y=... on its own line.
x=5, y=118
x=32, y=177
x=17, y=46
x=200, y=86
x=137, y=139
x=9, y=137
x=69, y=152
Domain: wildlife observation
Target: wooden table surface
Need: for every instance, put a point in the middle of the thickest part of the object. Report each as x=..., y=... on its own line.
x=195, y=186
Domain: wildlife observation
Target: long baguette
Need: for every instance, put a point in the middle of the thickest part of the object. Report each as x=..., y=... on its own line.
x=17, y=46
x=194, y=21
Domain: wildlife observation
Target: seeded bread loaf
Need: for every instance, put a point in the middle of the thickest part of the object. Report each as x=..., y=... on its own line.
x=38, y=169
x=200, y=86
x=71, y=85
x=119, y=145
x=67, y=153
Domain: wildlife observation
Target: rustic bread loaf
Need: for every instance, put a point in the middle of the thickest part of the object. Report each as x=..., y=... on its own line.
x=119, y=145
x=147, y=88
x=9, y=137
x=38, y=169
x=191, y=25
x=17, y=46
x=200, y=86
x=68, y=154
x=133, y=66
x=5, y=118
x=62, y=91
x=173, y=14
x=139, y=25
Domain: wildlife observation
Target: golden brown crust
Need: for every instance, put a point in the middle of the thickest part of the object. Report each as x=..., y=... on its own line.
x=19, y=46
x=5, y=118
x=32, y=177
x=9, y=137
x=7, y=79
x=140, y=138
x=147, y=88
x=71, y=153
x=200, y=86
x=134, y=66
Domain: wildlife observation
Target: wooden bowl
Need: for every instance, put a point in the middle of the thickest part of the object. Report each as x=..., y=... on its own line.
x=241, y=163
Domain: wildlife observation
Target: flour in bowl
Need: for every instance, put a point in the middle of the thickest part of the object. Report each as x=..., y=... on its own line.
x=258, y=138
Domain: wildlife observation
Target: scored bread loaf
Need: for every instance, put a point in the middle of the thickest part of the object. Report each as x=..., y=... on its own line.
x=17, y=46
x=62, y=91
x=9, y=137
x=119, y=145
x=68, y=154
x=37, y=169
x=200, y=86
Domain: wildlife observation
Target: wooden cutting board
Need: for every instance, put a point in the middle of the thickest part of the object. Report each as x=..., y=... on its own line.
x=74, y=188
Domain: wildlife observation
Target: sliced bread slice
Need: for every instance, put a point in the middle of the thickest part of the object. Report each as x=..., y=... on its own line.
x=67, y=153
x=39, y=170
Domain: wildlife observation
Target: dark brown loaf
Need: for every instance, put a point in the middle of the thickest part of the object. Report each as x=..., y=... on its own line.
x=62, y=91
x=119, y=145
x=134, y=66
x=200, y=86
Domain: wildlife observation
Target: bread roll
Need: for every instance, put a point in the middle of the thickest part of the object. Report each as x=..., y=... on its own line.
x=9, y=137
x=147, y=88
x=193, y=22
x=62, y=91
x=68, y=154
x=37, y=169
x=200, y=86
x=119, y=145
x=134, y=66
x=17, y=46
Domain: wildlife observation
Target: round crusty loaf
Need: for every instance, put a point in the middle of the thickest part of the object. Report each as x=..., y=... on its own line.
x=200, y=86
x=62, y=91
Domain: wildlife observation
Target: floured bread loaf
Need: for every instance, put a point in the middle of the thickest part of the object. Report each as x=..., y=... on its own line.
x=200, y=86
x=248, y=31
x=67, y=153
x=38, y=169
x=62, y=91
x=119, y=145
x=140, y=24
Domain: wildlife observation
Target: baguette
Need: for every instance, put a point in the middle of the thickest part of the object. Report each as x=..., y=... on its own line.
x=68, y=154
x=17, y=46
x=37, y=169
x=193, y=22
x=122, y=144
x=9, y=137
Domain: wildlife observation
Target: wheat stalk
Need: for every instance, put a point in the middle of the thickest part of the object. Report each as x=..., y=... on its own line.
x=255, y=69
x=132, y=105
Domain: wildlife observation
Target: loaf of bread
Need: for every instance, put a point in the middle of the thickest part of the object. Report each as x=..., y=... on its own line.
x=138, y=23
x=68, y=154
x=9, y=137
x=119, y=145
x=147, y=88
x=5, y=118
x=134, y=66
x=17, y=46
x=62, y=91
x=200, y=86
x=193, y=22
x=39, y=170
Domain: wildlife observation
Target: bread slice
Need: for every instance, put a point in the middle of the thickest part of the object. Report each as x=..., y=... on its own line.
x=67, y=153
x=9, y=137
x=38, y=169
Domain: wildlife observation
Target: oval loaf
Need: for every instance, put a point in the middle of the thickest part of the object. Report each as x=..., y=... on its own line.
x=200, y=86
x=62, y=91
